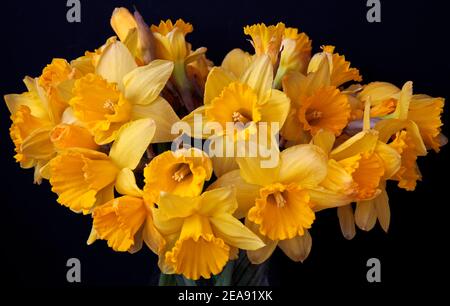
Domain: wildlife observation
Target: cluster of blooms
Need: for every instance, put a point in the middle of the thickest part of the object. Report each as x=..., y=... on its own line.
x=97, y=129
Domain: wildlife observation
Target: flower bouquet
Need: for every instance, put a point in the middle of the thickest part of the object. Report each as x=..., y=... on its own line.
x=213, y=167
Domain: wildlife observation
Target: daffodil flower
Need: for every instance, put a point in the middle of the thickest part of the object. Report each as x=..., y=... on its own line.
x=266, y=40
x=340, y=71
x=316, y=104
x=120, y=92
x=126, y=222
x=279, y=203
x=135, y=34
x=171, y=45
x=182, y=172
x=84, y=178
x=200, y=232
x=295, y=54
x=359, y=168
x=39, y=127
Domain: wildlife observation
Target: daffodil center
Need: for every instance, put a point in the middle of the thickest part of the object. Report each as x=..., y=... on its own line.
x=182, y=172
x=313, y=115
x=108, y=105
x=278, y=199
x=238, y=117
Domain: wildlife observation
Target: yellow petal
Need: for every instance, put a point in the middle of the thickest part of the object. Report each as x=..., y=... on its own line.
x=364, y=141
x=383, y=211
x=390, y=157
x=276, y=108
x=162, y=114
x=338, y=179
x=115, y=62
x=132, y=141
x=259, y=76
x=324, y=139
x=217, y=80
x=234, y=233
x=218, y=201
x=260, y=255
x=171, y=206
x=404, y=100
x=65, y=136
x=253, y=173
x=29, y=99
x=347, y=221
x=223, y=165
x=152, y=237
x=297, y=248
x=126, y=183
x=379, y=92
x=365, y=215
x=236, y=61
x=389, y=127
x=303, y=164
x=122, y=21
x=143, y=85
x=322, y=198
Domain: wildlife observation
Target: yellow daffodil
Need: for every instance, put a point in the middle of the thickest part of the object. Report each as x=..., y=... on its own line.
x=120, y=92
x=295, y=54
x=38, y=115
x=126, y=222
x=84, y=178
x=182, y=172
x=237, y=62
x=340, y=71
x=279, y=203
x=315, y=104
x=358, y=168
x=266, y=39
x=423, y=110
x=200, y=232
x=135, y=34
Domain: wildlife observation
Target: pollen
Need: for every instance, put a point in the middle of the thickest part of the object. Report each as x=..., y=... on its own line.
x=182, y=172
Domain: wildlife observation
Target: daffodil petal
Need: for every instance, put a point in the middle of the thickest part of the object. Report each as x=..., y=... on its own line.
x=324, y=139
x=171, y=206
x=390, y=157
x=115, y=62
x=132, y=141
x=162, y=114
x=322, y=198
x=383, y=211
x=297, y=248
x=347, y=221
x=245, y=193
x=126, y=183
x=218, y=201
x=217, y=80
x=259, y=76
x=365, y=215
x=276, y=108
x=364, y=141
x=252, y=172
x=144, y=84
x=260, y=255
x=234, y=233
x=236, y=61
x=303, y=164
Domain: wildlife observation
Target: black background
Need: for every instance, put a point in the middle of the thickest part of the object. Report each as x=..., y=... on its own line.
x=38, y=235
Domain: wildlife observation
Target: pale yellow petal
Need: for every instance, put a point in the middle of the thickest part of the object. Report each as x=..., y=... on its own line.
x=364, y=141
x=252, y=172
x=237, y=62
x=218, y=79
x=162, y=114
x=297, y=248
x=126, y=183
x=234, y=233
x=132, y=141
x=218, y=201
x=303, y=164
x=276, y=108
x=245, y=193
x=259, y=76
x=365, y=215
x=322, y=198
x=115, y=62
x=143, y=84
x=383, y=210
x=390, y=157
x=347, y=221
x=324, y=139
x=261, y=255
